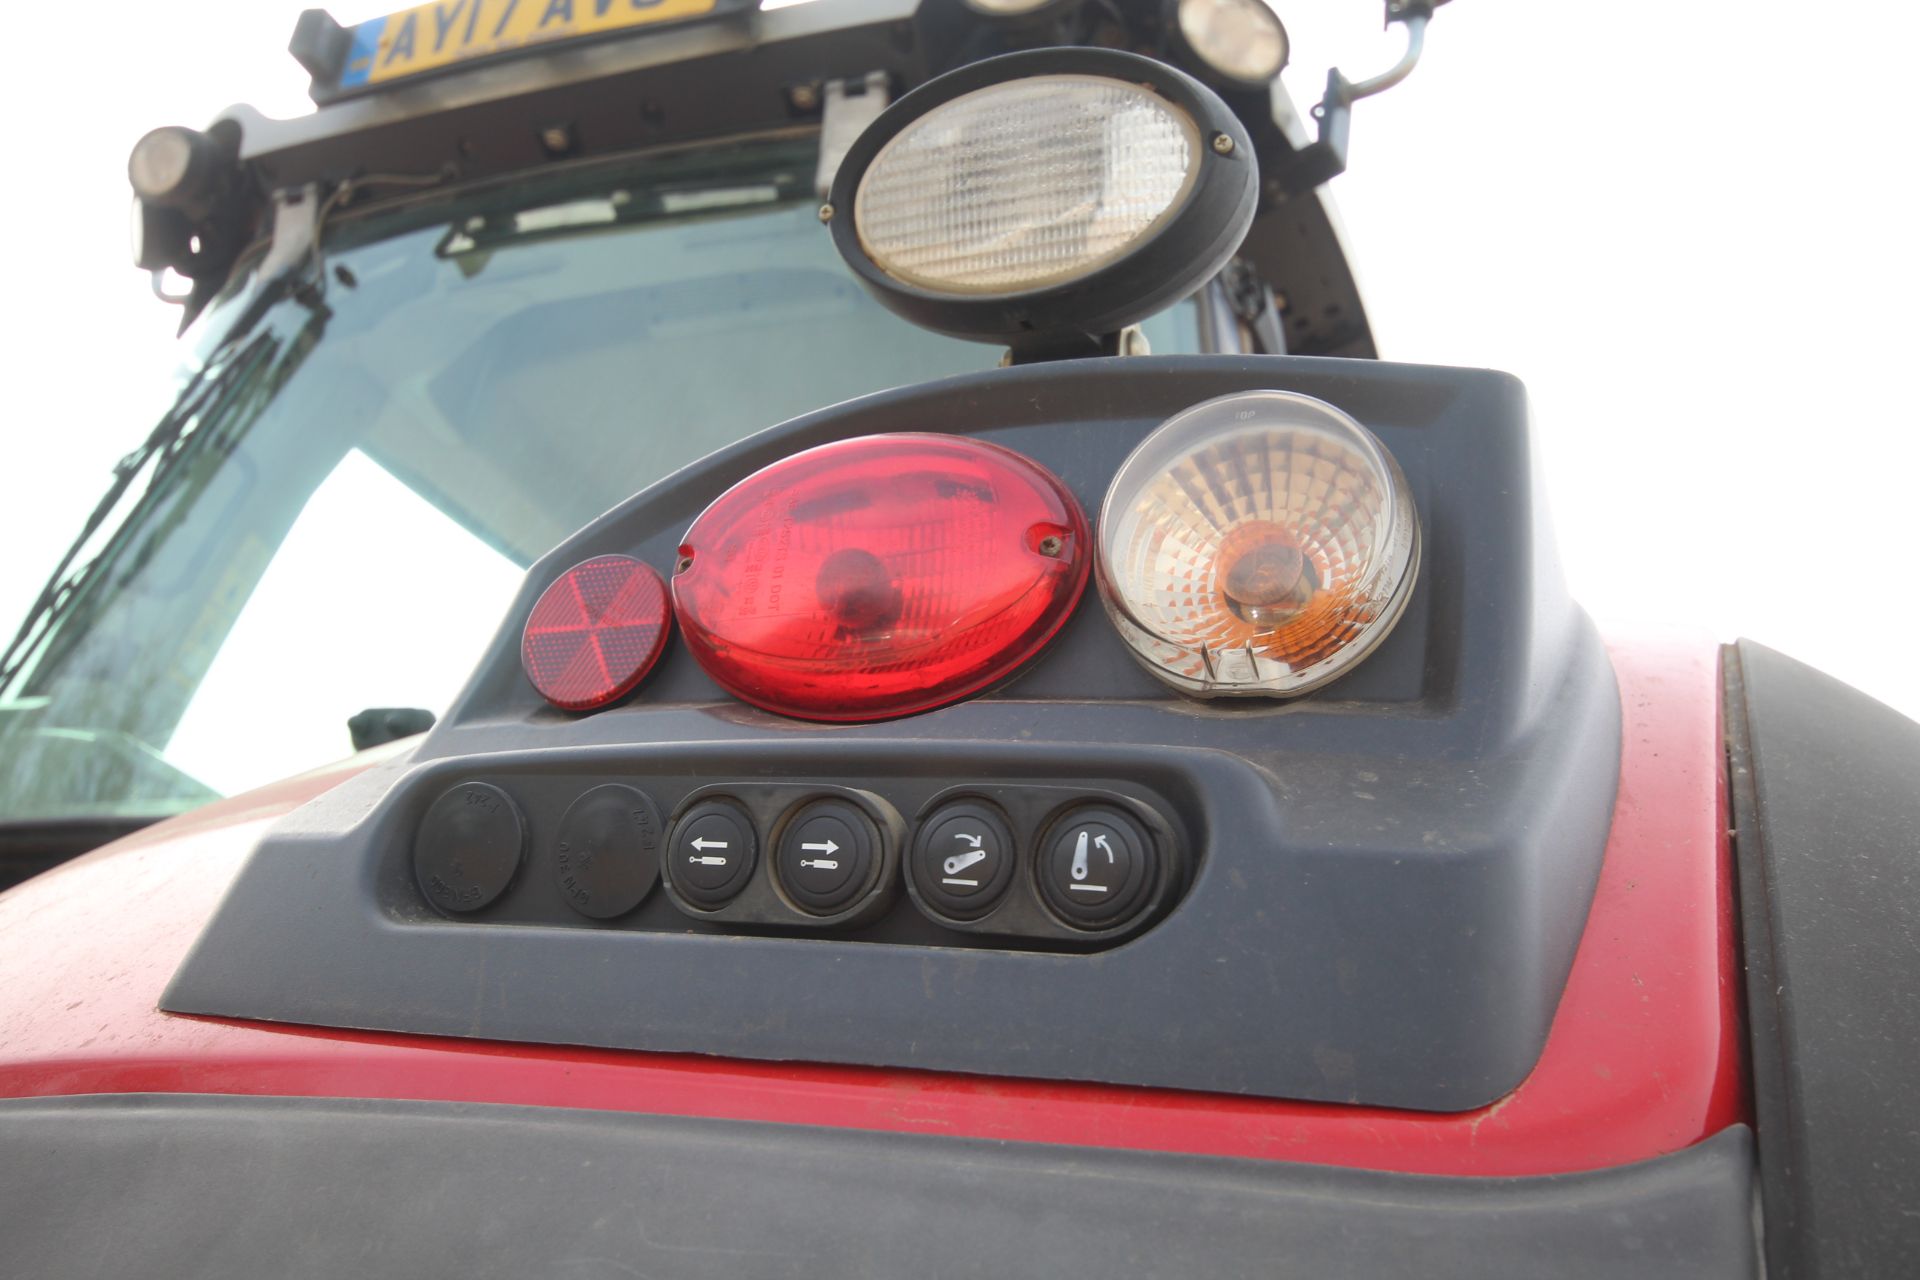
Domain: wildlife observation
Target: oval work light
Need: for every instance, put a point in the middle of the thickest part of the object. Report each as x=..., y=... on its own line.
x=1044, y=198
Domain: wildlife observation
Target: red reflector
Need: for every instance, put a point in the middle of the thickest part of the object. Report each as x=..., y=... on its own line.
x=595, y=632
x=879, y=576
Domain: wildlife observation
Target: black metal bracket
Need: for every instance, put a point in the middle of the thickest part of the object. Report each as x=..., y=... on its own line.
x=1325, y=158
x=1252, y=300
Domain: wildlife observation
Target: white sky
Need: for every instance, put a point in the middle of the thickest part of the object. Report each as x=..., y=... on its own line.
x=434, y=579
x=1689, y=227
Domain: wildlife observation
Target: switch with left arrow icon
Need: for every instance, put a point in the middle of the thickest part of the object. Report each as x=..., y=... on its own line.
x=711, y=855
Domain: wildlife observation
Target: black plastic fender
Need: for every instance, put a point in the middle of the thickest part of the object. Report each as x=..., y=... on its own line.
x=1826, y=808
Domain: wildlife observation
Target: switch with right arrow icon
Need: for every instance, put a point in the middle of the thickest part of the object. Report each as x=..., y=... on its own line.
x=826, y=856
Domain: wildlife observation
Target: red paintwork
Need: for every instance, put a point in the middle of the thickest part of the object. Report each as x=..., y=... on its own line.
x=1643, y=1057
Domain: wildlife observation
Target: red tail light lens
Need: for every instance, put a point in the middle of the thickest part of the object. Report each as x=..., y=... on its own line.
x=596, y=632
x=879, y=576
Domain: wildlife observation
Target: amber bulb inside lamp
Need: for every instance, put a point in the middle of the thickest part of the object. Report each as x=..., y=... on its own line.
x=1261, y=543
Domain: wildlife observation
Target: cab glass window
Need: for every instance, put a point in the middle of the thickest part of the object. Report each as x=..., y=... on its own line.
x=373, y=462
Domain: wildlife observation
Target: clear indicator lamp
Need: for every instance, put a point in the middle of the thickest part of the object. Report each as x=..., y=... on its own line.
x=1262, y=544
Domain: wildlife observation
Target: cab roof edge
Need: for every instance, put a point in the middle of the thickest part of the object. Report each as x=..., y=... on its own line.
x=572, y=63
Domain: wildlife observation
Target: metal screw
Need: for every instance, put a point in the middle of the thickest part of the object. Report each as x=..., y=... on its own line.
x=556, y=138
x=826, y=213
x=803, y=97
x=1222, y=144
x=1051, y=545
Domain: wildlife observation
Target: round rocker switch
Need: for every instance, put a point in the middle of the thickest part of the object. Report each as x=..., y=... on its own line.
x=826, y=856
x=711, y=855
x=468, y=847
x=608, y=855
x=1097, y=866
x=962, y=859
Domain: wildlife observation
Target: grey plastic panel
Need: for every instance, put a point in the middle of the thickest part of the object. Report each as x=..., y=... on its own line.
x=247, y=1187
x=1388, y=877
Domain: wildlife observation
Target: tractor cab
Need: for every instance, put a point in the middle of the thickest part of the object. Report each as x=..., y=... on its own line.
x=486, y=291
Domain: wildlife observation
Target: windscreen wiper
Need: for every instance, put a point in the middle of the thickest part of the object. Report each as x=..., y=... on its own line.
x=212, y=383
x=294, y=269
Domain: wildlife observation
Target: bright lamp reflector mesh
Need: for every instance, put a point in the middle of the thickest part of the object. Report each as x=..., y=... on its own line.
x=1024, y=184
x=1260, y=543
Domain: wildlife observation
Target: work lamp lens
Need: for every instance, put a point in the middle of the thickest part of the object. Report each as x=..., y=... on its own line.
x=1239, y=39
x=1025, y=184
x=159, y=163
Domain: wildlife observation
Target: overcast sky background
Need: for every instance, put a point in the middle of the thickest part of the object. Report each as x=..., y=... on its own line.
x=1689, y=227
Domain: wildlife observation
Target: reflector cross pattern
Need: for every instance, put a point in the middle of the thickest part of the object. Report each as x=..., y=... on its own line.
x=595, y=632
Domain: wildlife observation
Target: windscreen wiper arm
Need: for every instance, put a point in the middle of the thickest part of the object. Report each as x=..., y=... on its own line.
x=207, y=387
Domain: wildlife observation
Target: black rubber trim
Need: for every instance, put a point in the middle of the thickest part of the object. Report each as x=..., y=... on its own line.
x=247, y=1187
x=1826, y=810
x=28, y=848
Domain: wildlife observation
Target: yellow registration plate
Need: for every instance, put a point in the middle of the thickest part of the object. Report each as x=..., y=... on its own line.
x=428, y=37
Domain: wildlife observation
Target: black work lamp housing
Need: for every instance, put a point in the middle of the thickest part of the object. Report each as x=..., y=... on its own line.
x=1045, y=200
